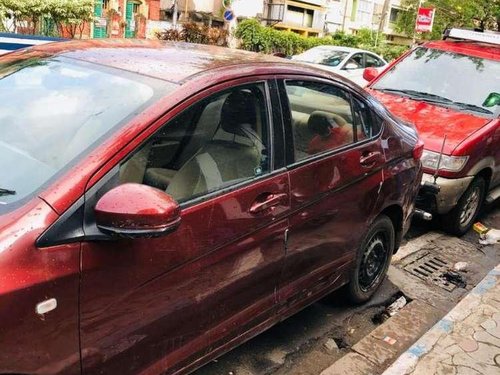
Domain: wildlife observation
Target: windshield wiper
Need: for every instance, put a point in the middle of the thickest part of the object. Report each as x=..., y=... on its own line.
x=472, y=107
x=419, y=95
x=6, y=192
x=432, y=98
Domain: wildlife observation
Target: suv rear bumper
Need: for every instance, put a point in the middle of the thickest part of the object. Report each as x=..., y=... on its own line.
x=450, y=191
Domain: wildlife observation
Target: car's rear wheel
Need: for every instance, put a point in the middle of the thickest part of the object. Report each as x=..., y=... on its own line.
x=459, y=220
x=372, y=260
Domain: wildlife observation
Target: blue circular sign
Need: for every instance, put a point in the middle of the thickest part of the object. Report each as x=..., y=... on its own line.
x=228, y=15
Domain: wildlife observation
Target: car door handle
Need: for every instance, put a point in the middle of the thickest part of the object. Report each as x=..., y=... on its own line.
x=368, y=160
x=267, y=202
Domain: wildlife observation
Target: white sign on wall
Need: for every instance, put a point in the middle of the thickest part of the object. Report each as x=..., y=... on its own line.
x=247, y=8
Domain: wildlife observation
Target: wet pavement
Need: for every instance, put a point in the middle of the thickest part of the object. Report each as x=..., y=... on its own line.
x=302, y=344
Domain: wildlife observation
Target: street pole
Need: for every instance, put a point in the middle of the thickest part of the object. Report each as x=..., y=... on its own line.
x=414, y=39
x=383, y=15
x=345, y=14
x=174, y=16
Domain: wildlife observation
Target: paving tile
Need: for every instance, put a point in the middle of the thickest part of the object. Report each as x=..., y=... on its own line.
x=468, y=345
x=433, y=363
x=483, y=336
x=465, y=360
x=492, y=327
x=463, y=370
x=486, y=354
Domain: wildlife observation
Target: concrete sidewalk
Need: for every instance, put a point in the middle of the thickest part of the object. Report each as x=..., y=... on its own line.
x=465, y=342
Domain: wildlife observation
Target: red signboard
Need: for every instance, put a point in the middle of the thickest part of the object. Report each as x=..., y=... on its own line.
x=425, y=19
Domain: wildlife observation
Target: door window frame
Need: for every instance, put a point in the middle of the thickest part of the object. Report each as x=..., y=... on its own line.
x=375, y=57
x=77, y=222
x=291, y=163
x=207, y=94
x=363, y=62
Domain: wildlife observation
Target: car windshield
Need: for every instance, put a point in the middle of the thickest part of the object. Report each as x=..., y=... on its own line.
x=446, y=78
x=323, y=56
x=53, y=110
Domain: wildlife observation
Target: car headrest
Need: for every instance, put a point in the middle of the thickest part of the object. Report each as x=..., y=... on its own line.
x=322, y=123
x=239, y=108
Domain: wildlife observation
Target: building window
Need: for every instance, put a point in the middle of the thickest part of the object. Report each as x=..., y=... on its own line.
x=393, y=17
x=364, y=12
x=299, y=16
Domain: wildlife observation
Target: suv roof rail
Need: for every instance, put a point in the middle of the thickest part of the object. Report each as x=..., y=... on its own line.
x=490, y=37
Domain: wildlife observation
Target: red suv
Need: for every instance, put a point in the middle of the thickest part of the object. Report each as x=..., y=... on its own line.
x=450, y=90
x=162, y=203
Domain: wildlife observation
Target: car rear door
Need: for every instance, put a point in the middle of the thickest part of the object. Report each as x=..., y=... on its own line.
x=161, y=304
x=334, y=182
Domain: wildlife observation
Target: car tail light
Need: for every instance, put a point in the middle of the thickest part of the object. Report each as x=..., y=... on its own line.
x=418, y=150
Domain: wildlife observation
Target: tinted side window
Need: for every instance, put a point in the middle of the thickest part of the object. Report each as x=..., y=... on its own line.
x=368, y=124
x=372, y=61
x=321, y=117
x=216, y=143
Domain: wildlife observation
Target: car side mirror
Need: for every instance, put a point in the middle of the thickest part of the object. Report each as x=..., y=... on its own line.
x=370, y=74
x=137, y=211
x=351, y=66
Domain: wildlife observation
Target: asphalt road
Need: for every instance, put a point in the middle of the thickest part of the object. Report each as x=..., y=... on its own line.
x=297, y=345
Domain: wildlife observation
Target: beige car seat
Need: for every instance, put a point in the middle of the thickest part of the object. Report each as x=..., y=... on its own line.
x=221, y=162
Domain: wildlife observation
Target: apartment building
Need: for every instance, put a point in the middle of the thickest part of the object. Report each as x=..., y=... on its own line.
x=377, y=15
x=306, y=17
x=123, y=18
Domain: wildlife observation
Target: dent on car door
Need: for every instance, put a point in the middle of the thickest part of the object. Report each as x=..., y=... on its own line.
x=334, y=177
x=161, y=304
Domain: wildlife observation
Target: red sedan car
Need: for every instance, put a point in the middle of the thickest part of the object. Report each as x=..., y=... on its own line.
x=163, y=203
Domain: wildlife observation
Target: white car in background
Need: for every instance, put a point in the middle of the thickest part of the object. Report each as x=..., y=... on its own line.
x=345, y=61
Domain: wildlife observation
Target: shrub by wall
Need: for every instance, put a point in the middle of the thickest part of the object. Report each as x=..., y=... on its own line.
x=193, y=33
x=258, y=38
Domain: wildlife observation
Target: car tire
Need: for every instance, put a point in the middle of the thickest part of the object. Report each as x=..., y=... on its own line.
x=372, y=260
x=461, y=218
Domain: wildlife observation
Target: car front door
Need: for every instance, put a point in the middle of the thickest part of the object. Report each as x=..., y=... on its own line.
x=161, y=304
x=335, y=173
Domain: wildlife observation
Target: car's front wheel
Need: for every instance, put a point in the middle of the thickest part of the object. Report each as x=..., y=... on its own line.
x=459, y=220
x=372, y=260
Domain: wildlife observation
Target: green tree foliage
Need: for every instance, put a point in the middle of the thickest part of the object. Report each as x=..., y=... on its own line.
x=67, y=15
x=258, y=38
x=451, y=13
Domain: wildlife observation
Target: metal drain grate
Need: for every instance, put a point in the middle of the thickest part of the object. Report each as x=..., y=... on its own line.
x=429, y=268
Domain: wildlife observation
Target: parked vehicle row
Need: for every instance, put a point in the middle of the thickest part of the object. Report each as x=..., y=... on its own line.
x=162, y=203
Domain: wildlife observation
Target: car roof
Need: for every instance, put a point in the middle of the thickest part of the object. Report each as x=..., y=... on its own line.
x=469, y=48
x=170, y=61
x=341, y=48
